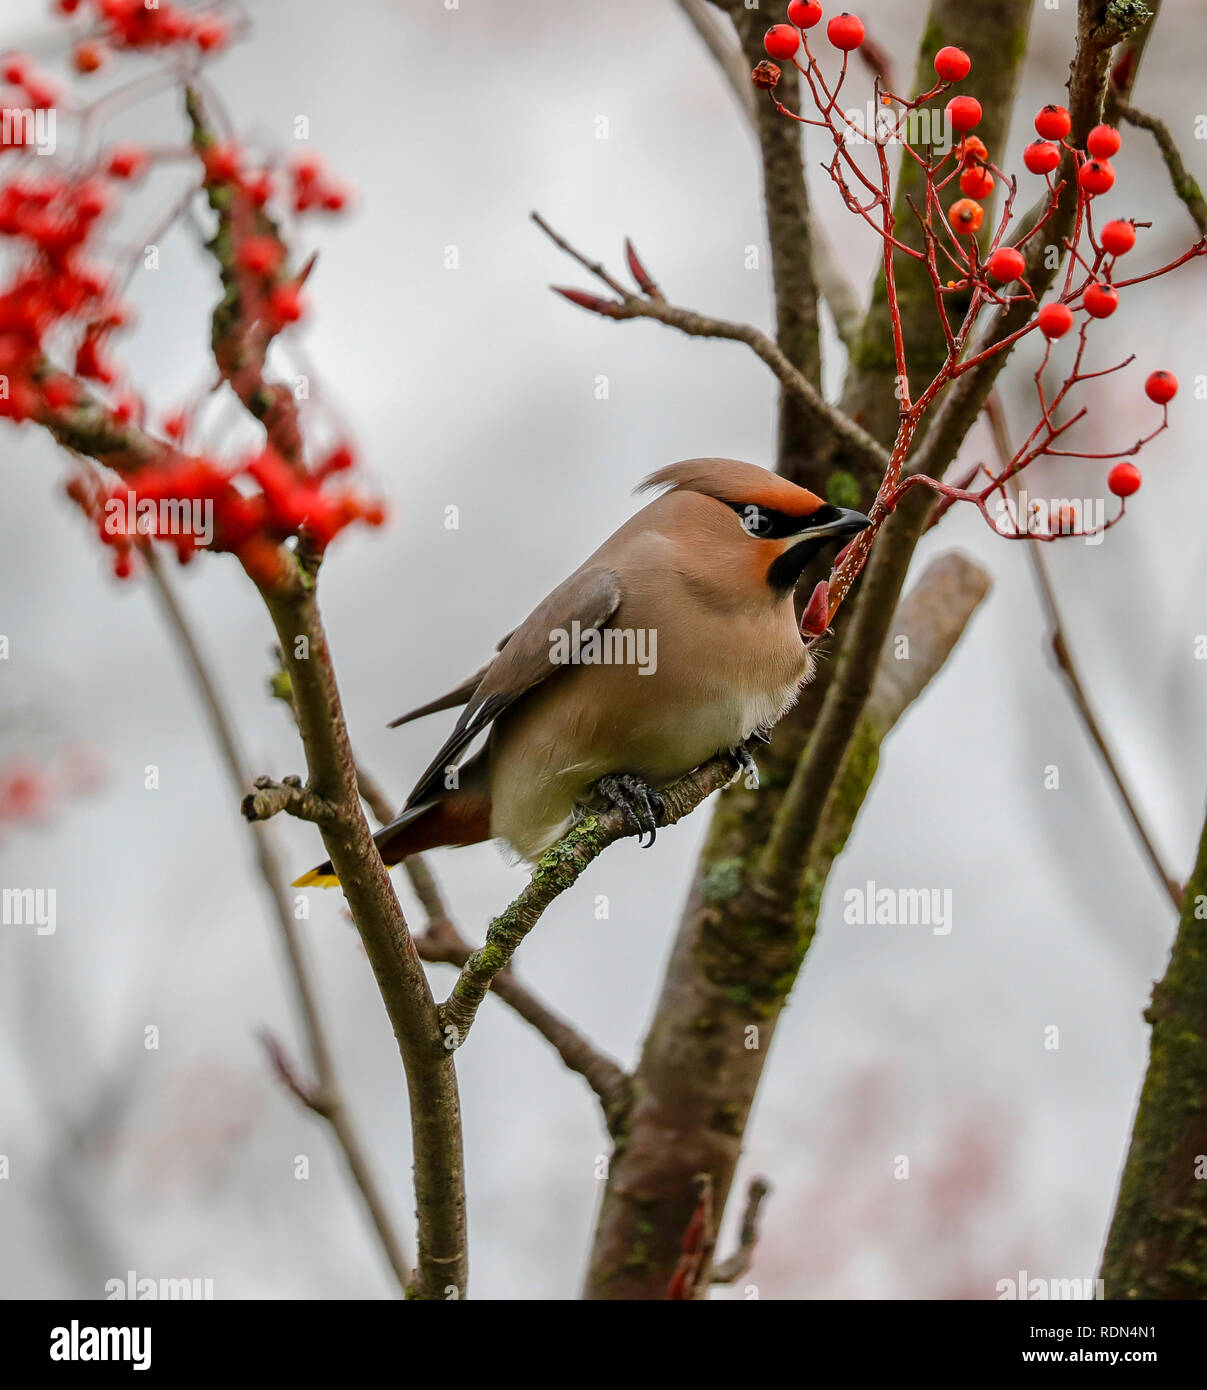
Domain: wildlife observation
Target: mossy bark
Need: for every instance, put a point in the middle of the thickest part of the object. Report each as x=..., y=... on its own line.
x=738, y=951
x=1157, y=1246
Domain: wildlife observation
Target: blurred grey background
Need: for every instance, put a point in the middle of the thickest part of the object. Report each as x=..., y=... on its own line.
x=477, y=388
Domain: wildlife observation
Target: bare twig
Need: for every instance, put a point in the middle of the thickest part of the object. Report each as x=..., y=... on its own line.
x=271, y=798
x=729, y=57
x=1185, y=185
x=1068, y=666
x=832, y=283
x=630, y=306
x=334, y=1109
x=730, y=1270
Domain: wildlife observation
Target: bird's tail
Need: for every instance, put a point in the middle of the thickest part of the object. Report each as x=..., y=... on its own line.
x=458, y=818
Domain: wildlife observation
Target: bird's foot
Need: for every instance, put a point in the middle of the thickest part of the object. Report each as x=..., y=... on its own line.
x=747, y=767
x=636, y=800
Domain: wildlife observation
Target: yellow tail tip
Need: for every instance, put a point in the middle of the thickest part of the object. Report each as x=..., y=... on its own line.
x=314, y=879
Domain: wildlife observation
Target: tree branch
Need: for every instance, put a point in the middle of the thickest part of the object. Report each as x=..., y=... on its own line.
x=1157, y=1245
x=832, y=283
x=272, y=798
x=558, y=869
x=729, y=1271
x=1185, y=185
x=1064, y=659
x=629, y=306
x=733, y=964
x=442, y=943
x=333, y=1108
x=431, y=1079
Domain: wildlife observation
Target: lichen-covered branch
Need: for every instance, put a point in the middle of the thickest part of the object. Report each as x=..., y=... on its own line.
x=441, y=942
x=1157, y=1246
x=1185, y=185
x=556, y=871
x=734, y=962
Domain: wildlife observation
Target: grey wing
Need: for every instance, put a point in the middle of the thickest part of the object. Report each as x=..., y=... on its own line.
x=588, y=597
x=459, y=696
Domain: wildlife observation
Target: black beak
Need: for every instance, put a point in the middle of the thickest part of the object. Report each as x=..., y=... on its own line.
x=835, y=522
x=825, y=525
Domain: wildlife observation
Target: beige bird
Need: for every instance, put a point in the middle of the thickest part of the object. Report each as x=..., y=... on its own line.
x=675, y=640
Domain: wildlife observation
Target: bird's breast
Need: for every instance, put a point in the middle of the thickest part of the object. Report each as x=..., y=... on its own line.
x=689, y=682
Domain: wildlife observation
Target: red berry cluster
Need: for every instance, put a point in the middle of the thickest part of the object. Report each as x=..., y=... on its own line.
x=845, y=31
x=254, y=505
x=997, y=277
x=312, y=189
x=49, y=219
x=30, y=792
x=62, y=295
x=135, y=24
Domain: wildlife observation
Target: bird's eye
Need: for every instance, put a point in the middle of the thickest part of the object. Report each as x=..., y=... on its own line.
x=756, y=521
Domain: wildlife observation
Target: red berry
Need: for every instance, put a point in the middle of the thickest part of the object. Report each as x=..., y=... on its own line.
x=966, y=216
x=41, y=93
x=88, y=57
x=804, y=13
x=123, y=565
x=781, y=41
x=952, y=64
x=1006, y=264
x=976, y=181
x=176, y=425
x=127, y=407
x=211, y=34
x=308, y=168
x=1053, y=122
x=1100, y=301
x=222, y=163
x=1123, y=479
x=1118, y=237
x=1103, y=141
x=1095, y=177
x=259, y=190
x=286, y=303
x=1054, y=320
x=127, y=161
x=845, y=31
x=16, y=68
x=335, y=199
x=1064, y=520
x=1161, y=387
x=91, y=200
x=972, y=148
x=963, y=113
x=259, y=255
x=1041, y=157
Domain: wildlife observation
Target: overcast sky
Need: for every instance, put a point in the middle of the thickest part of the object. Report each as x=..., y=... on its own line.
x=476, y=388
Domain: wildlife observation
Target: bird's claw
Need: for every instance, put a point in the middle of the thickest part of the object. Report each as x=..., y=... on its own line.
x=636, y=800
x=747, y=767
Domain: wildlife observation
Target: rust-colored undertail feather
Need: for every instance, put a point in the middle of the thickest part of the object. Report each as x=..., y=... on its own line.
x=461, y=818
